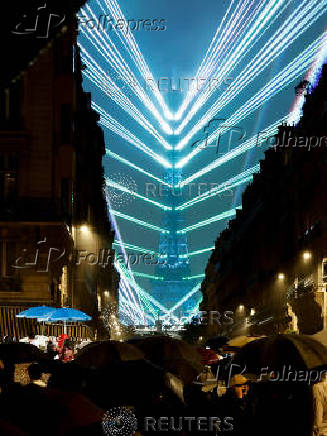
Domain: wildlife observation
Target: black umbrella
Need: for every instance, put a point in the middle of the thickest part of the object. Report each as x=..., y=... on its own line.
x=18, y=352
x=217, y=342
x=100, y=355
x=136, y=383
x=293, y=352
x=174, y=355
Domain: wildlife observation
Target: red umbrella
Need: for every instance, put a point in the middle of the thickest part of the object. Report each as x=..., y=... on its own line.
x=208, y=356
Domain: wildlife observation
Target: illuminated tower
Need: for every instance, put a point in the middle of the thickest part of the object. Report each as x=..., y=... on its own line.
x=173, y=248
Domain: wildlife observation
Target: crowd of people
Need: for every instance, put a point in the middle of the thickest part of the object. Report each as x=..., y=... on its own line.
x=219, y=401
x=64, y=349
x=60, y=348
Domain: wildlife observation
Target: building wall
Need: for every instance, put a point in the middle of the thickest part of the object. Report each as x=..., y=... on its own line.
x=269, y=259
x=49, y=131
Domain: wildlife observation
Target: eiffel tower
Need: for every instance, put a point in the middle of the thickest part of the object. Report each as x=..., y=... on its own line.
x=173, y=248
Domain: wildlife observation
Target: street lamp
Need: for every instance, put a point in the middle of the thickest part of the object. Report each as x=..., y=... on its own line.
x=306, y=255
x=84, y=228
x=281, y=278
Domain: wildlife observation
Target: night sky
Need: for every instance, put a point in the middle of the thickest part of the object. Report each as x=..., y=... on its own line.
x=177, y=53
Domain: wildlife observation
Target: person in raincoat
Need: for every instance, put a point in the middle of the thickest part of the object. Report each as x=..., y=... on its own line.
x=61, y=340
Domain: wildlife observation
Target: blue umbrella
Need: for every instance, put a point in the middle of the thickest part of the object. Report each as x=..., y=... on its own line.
x=36, y=312
x=66, y=314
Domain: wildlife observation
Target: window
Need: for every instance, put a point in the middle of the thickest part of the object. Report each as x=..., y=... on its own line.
x=324, y=270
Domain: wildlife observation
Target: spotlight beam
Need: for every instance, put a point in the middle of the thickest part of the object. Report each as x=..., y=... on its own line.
x=296, y=67
x=261, y=24
x=291, y=29
x=185, y=298
x=244, y=177
x=108, y=51
x=139, y=222
x=105, y=83
x=222, y=216
x=252, y=142
x=115, y=185
x=110, y=123
x=132, y=47
x=203, y=250
x=134, y=247
x=137, y=168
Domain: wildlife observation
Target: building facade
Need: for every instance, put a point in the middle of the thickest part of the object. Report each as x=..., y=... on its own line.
x=269, y=265
x=53, y=214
